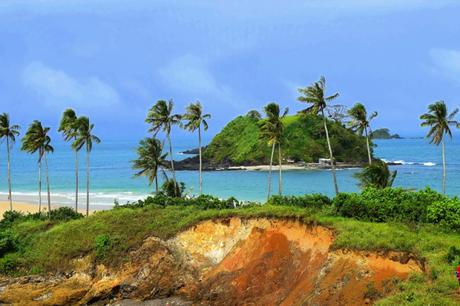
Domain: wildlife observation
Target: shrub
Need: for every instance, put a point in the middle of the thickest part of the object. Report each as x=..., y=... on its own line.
x=103, y=244
x=446, y=212
x=7, y=242
x=389, y=204
x=306, y=201
x=453, y=254
x=172, y=189
x=64, y=214
x=8, y=265
x=202, y=201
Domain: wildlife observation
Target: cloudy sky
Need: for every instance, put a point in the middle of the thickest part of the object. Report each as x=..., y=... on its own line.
x=112, y=60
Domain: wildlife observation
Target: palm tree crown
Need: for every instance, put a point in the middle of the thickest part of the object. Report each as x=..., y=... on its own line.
x=37, y=139
x=85, y=136
x=272, y=126
x=440, y=121
x=194, y=117
x=150, y=159
x=7, y=130
x=161, y=118
x=377, y=175
x=360, y=122
x=68, y=125
x=315, y=94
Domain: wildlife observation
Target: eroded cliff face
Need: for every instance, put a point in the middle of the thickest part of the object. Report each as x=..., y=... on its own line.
x=226, y=262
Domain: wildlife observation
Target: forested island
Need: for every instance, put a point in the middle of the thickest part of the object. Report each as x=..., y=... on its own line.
x=384, y=134
x=240, y=143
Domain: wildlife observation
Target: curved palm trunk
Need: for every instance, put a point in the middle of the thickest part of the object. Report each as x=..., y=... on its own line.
x=443, y=168
x=87, y=182
x=368, y=146
x=201, y=162
x=40, y=184
x=76, y=181
x=9, y=173
x=270, y=172
x=334, y=175
x=172, y=164
x=47, y=185
x=280, y=181
x=156, y=183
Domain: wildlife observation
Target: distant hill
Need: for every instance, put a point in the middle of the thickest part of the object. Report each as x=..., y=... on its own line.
x=384, y=134
x=239, y=142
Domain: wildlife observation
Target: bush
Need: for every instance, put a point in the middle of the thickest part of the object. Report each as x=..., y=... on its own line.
x=389, y=204
x=172, y=189
x=445, y=212
x=202, y=201
x=64, y=214
x=453, y=255
x=103, y=244
x=306, y=201
x=8, y=265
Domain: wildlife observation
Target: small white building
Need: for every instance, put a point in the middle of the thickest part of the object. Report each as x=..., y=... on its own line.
x=324, y=161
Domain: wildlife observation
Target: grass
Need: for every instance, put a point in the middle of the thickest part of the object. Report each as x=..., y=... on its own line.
x=47, y=247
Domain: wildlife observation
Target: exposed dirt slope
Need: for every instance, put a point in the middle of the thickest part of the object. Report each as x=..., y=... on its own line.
x=227, y=262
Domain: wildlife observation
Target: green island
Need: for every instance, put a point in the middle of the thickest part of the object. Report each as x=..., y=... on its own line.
x=384, y=133
x=240, y=143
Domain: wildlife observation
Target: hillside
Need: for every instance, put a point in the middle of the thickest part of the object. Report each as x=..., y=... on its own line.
x=239, y=142
x=290, y=251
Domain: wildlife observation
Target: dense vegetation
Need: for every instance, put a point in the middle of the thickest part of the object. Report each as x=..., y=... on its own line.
x=239, y=143
x=423, y=222
x=384, y=134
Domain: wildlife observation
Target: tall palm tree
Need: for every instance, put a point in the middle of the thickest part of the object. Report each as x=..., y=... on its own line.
x=37, y=139
x=360, y=123
x=69, y=129
x=150, y=159
x=9, y=132
x=194, y=120
x=377, y=175
x=85, y=138
x=439, y=120
x=161, y=118
x=315, y=95
x=272, y=130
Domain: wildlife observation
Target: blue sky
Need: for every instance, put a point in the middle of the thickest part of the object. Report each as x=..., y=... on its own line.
x=112, y=60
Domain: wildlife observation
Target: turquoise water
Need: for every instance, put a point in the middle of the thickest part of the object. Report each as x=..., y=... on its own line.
x=112, y=176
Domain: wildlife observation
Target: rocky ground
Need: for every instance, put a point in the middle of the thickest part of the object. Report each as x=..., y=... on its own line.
x=226, y=262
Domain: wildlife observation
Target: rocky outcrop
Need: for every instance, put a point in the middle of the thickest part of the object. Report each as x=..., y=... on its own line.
x=226, y=262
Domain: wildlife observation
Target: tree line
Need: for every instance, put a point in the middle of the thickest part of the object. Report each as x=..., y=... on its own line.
x=37, y=140
x=161, y=118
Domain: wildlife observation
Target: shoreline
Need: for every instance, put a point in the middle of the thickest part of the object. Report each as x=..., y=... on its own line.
x=30, y=207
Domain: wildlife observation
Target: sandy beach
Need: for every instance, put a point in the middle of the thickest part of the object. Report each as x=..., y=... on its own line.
x=25, y=207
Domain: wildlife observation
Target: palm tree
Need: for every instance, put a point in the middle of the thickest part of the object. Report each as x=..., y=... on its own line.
x=150, y=159
x=315, y=95
x=360, y=123
x=440, y=121
x=9, y=132
x=195, y=119
x=86, y=138
x=272, y=130
x=161, y=118
x=377, y=175
x=37, y=139
x=69, y=129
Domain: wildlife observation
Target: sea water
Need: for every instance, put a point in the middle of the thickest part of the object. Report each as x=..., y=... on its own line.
x=112, y=178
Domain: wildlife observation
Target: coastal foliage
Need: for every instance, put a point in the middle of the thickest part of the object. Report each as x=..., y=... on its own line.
x=42, y=246
x=377, y=175
x=239, y=142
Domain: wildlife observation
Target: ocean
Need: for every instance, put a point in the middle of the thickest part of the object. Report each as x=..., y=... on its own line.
x=112, y=177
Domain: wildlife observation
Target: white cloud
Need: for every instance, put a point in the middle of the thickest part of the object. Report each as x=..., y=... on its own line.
x=447, y=63
x=58, y=89
x=191, y=75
